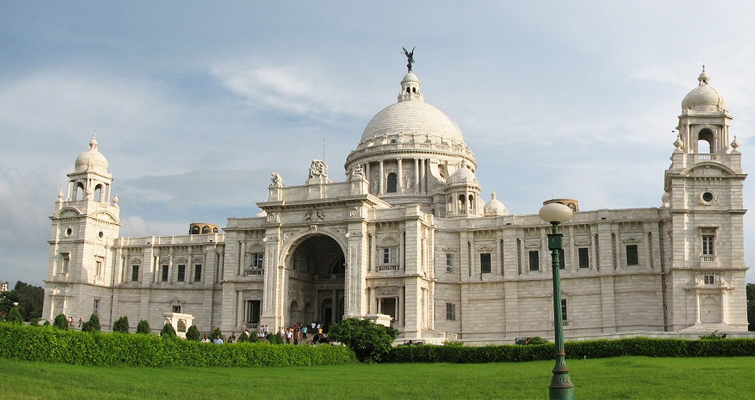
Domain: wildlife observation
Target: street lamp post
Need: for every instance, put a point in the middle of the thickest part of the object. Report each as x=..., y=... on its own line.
x=561, y=386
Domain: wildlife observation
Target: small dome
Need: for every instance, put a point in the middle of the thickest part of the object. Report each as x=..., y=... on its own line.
x=463, y=175
x=495, y=207
x=261, y=214
x=91, y=160
x=704, y=97
x=410, y=77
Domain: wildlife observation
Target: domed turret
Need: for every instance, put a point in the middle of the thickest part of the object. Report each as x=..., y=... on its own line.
x=91, y=160
x=704, y=97
x=495, y=207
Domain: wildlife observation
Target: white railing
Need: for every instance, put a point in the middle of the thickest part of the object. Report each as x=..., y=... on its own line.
x=386, y=268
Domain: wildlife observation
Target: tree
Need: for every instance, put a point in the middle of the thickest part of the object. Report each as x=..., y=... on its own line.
x=143, y=327
x=121, y=325
x=369, y=341
x=751, y=306
x=14, y=316
x=93, y=325
x=168, y=332
x=193, y=334
x=28, y=297
x=215, y=332
x=61, y=322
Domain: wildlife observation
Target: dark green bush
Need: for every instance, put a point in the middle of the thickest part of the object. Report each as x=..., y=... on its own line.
x=121, y=325
x=168, y=332
x=193, y=333
x=143, y=327
x=34, y=322
x=72, y=347
x=93, y=325
x=369, y=341
x=275, y=338
x=215, y=332
x=47, y=323
x=14, y=316
x=243, y=337
x=60, y=322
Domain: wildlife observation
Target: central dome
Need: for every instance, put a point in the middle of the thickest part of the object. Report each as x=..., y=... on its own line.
x=412, y=117
x=704, y=97
x=91, y=160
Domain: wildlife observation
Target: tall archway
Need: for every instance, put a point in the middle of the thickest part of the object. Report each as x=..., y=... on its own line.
x=316, y=279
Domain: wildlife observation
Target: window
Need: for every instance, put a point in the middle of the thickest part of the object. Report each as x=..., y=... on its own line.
x=198, y=273
x=632, y=256
x=534, y=260
x=257, y=261
x=98, y=268
x=181, y=273
x=561, y=259
x=485, y=263
x=392, y=183
x=65, y=263
x=708, y=245
x=709, y=279
x=164, y=273
x=584, y=257
x=194, y=230
x=205, y=229
x=252, y=311
x=449, y=263
x=450, y=312
x=390, y=255
x=564, y=315
x=96, y=306
x=176, y=308
x=134, y=273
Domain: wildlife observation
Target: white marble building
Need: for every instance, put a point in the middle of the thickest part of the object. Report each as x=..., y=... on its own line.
x=407, y=235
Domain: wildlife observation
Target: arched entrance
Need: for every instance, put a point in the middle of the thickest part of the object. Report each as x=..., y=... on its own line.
x=316, y=281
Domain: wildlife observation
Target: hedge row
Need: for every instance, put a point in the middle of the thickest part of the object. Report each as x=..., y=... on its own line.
x=114, y=349
x=586, y=349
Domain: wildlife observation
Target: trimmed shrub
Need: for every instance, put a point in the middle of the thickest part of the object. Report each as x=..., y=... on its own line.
x=14, y=316
x=215, y=332
x=369, y=341
x=60, y=322
x=253, y=338
x=93, y=325
x=47, y=323
x=102, y=349
x=143, y=327
x=193, y=334
x=274, y=338
x=168, y=332
x=121, y=325
x=243, y=337
x=34, y=322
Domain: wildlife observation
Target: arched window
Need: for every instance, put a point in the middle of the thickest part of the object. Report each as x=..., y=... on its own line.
x=98, y=193
x=462, y=204
x=205, y=229
x=79, y=195
x=214, y=230
x=471, y=202
x=194, y=230
x=392, y=183
x=706, y=142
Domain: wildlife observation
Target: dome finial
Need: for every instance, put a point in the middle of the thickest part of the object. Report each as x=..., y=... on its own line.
x=409, y=58
x=703, y=78
x=93, y=143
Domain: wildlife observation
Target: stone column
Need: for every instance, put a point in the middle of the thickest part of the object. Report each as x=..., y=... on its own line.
x=381, y=177
x=400, y=177
x=416, y=176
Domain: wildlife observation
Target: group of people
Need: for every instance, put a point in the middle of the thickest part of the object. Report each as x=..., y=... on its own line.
x=298, y=333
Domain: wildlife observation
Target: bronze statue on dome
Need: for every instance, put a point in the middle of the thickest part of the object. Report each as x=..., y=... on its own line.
x=409, y=58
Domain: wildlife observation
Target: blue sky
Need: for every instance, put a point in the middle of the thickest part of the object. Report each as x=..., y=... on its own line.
x=195, y=104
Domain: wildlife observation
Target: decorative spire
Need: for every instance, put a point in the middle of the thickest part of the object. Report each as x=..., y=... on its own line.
x=703, y=78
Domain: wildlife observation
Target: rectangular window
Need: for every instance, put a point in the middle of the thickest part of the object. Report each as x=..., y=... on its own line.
x=449, y=263
x=584, y=257
x=709, y=279
x=176, y=309
x=564, y=314
x=98, y=271
x=134, y=273
x=198, y=273
x=485, y=263
x=65, y=262
x=632, y=255
x=390, y=256
x=164, y=273
x=450, y=312
x=257, y=260
x=96, y=306
x=561, y=259
x=181, y=273
x=253, y=311
x=708, y=241
x=534, y=260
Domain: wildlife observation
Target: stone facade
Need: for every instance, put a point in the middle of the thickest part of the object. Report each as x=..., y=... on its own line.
x=407, y=237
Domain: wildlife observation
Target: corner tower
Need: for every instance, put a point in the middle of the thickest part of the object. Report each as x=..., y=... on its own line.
x=85, y=224
x=705, y=273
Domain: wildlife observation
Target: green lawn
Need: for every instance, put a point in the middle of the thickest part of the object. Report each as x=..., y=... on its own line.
x=613, y=378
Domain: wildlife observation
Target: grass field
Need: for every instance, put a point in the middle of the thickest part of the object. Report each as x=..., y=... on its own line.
x=613, y=378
